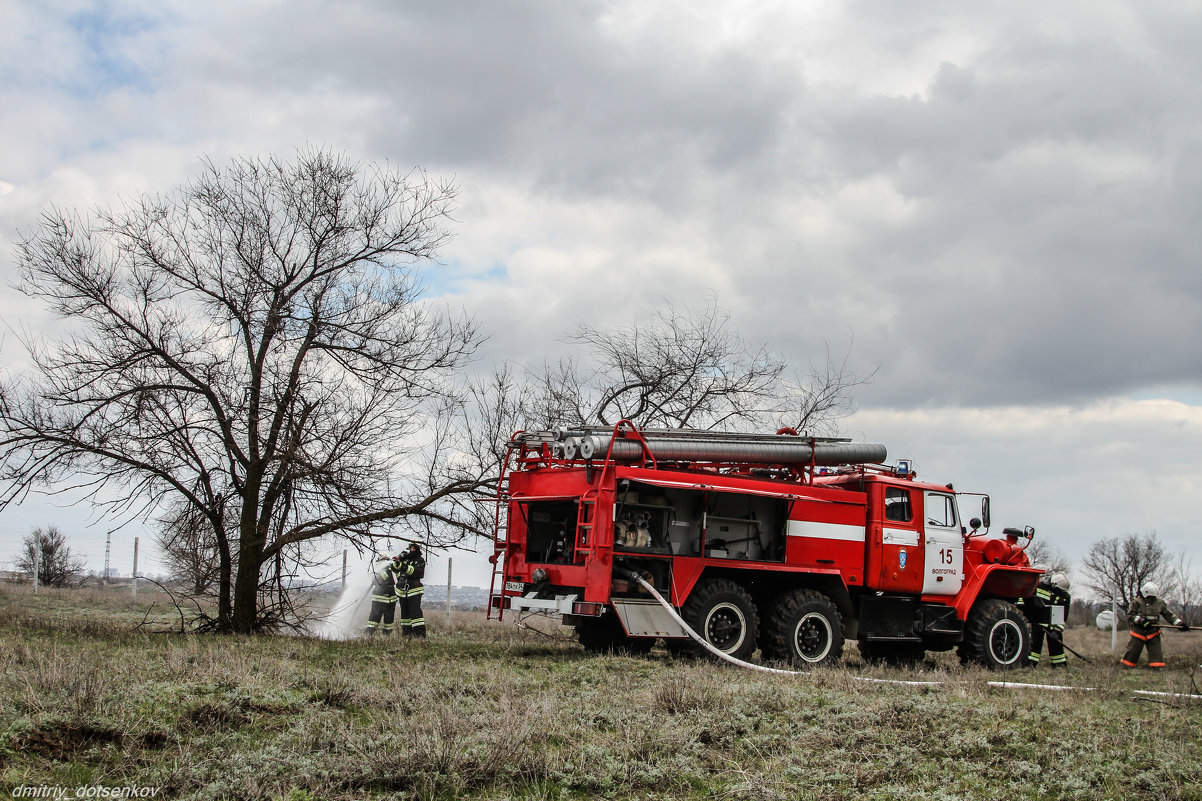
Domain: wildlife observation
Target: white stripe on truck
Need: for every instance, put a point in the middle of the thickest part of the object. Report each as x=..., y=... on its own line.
x=825, y=531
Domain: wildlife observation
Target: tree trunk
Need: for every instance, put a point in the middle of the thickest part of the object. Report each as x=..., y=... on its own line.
x=250, y=560
x=246, y=584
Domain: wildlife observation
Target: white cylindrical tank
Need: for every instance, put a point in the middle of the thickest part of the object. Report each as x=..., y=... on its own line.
x=1105, y=620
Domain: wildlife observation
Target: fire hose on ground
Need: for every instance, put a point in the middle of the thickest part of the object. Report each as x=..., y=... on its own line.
x=701, y=641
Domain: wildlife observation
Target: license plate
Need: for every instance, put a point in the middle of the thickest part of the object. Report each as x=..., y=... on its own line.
x=514, y=586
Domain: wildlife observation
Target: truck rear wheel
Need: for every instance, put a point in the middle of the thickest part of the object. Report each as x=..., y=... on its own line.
x=605, y=635
x=997, y=635
x=805, y=628
x=723, y=613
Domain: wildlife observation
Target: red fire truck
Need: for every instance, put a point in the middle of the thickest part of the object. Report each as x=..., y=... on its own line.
x=783, y=543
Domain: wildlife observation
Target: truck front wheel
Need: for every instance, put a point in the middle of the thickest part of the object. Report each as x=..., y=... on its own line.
x=805, y=628
x=723, y=613
x=997, y=635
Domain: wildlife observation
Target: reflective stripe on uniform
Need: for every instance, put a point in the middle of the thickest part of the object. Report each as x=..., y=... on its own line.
x=1151, y=636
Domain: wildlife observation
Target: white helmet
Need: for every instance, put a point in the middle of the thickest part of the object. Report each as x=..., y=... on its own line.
x=1059, y=579
x=1150, y=590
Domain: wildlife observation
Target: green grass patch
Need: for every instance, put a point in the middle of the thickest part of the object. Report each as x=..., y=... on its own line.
x=492, y=711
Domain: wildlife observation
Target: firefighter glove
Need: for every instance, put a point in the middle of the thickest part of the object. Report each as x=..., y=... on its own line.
x=1185, y=627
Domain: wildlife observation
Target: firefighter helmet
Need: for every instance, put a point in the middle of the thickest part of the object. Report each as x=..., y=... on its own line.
x=1150, y=590
x=1059, y=580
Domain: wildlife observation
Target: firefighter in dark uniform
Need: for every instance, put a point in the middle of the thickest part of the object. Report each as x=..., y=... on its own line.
x=1143, y=614
x=1051, y=593
x=384, y=597
x=409, y=590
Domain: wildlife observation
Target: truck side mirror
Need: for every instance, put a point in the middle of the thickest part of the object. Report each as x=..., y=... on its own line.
x=985, y=511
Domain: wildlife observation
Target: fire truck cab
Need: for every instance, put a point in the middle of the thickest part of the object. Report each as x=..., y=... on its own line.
x=786, y=544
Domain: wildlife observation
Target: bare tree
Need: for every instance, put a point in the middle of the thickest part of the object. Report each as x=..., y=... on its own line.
x=1048, y=557
x=1118, y=566
x=191, y=552
x=56, y=566
x=815, y=401
x=687, y=369
x=254, y=349
x=1187, y=584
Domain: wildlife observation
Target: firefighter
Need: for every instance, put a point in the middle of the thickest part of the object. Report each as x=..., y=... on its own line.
x=409, y=590
x=384, y=597
x=1052, y=592
x=1143, y=614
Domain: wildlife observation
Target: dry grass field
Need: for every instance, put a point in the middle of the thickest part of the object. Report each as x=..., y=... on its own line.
x=94, y=706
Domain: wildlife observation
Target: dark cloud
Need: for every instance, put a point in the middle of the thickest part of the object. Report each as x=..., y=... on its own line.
x=1021, y=207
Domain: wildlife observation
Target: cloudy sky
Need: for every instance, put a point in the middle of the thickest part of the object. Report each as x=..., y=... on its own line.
x=994, y=204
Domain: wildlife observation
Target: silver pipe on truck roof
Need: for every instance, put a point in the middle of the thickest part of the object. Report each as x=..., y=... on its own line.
x=755, y=450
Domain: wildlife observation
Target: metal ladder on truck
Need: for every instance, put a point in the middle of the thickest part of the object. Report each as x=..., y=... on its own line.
x=500, y=537
x=585, y=509
x=500, y=541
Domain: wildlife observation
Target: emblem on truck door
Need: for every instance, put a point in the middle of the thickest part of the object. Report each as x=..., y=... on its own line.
x=901, y=558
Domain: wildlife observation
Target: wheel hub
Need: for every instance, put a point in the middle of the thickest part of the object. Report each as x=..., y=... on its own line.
x=725, y=627
x=813, y=637
x=1005, y=642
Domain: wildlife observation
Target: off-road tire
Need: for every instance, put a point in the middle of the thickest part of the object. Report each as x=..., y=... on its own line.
x=605, y=635
x=996, y=635
x=897, y=654
x=722, y=612
x=804, y=628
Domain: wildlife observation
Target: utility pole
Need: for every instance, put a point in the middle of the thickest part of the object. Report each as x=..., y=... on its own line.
x=1114, y=624
x=134, y=592
x=448, y=593
x=108, y=548
x=344, y=568
x=37, y=559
